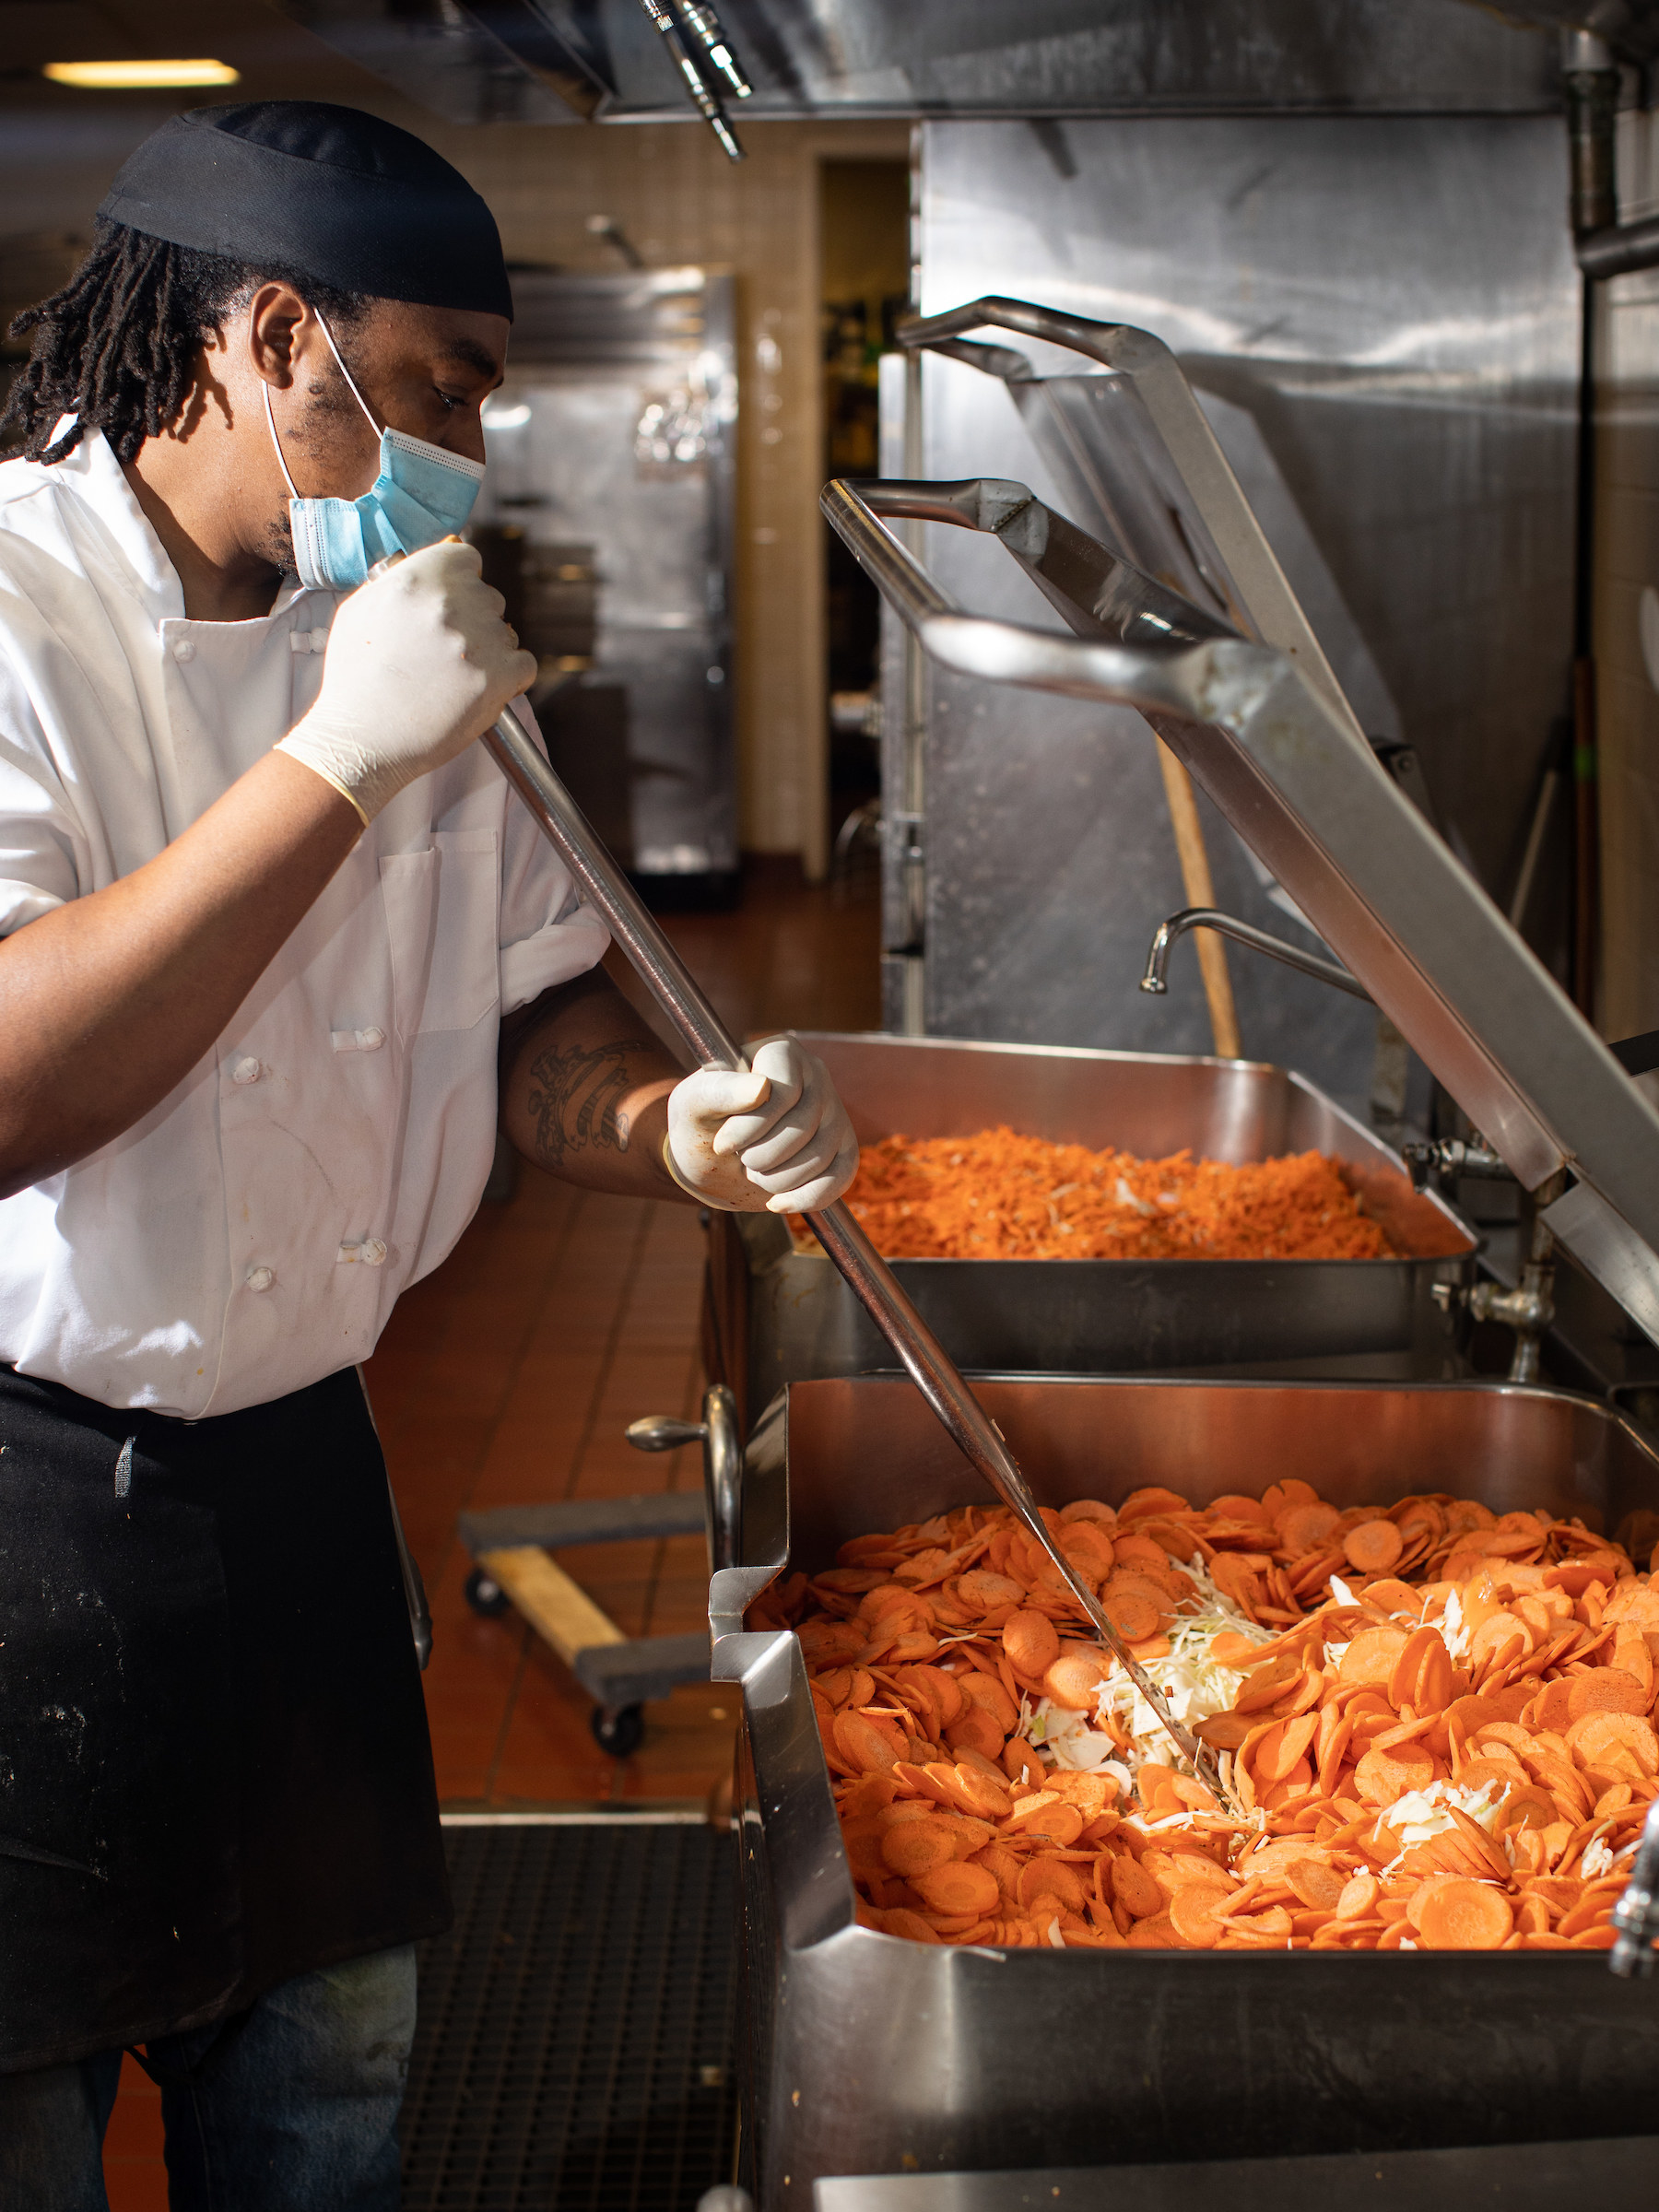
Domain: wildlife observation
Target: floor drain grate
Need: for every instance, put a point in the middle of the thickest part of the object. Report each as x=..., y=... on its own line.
x=574, y=2050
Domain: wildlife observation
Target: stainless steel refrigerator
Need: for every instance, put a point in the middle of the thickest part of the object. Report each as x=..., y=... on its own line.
x=607, y=520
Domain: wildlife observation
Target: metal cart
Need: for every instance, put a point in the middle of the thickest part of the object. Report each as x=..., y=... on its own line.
x=512, y=1570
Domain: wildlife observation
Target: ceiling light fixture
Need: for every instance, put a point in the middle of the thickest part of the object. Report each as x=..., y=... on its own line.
x=129, y=76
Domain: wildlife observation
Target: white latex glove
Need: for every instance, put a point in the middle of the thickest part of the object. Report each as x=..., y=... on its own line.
x=419, y=663
x=775, y=1137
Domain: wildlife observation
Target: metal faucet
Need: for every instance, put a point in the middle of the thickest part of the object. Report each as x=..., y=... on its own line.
x=1528, y=1308
x=1449, y=1157
x=1636, y=1915
x=1243, y=932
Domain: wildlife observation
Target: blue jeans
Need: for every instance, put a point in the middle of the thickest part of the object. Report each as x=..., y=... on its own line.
x=292, y=2109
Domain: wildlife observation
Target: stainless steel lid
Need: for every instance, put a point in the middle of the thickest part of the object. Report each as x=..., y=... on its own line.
x=1229, y=673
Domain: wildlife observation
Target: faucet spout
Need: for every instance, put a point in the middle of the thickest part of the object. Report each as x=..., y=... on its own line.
x=1636, y=1915
x=1155, y=979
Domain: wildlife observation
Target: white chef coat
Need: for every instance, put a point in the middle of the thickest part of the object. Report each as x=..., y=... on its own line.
x=252, y=1232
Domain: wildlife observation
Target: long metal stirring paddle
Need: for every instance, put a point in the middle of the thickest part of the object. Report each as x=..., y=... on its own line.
x=705, y=1036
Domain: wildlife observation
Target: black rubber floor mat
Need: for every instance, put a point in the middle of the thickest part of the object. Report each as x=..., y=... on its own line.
x=574, y=2048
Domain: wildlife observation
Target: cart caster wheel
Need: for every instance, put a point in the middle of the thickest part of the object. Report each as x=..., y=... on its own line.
x=620, y=1733
x=486, y=1595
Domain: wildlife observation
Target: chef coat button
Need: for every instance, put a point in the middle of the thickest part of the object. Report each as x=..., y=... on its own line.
x=371, y=1252
x=261, y=1278
x=183, y=650
x=245, y=1071
x=370, y=1041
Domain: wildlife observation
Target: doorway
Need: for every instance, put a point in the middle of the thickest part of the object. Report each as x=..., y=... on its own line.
x=863, y=286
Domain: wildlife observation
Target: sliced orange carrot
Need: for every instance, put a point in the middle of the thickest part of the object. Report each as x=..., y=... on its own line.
x=1382, y=1776
x=1053, y=1878
x=1592, y=1739
x=1373, y=1546
x=867, y=1743
x=1074, y=1677
x=1031, y=1640
x=1434, y=1682
x=1466, y=1916
x=1021, y=1762
x=976, y=1792
x=1224, y=1731
x=1501, y=1637
x=901, y=1920
x=1233, y=1505
x=1280, y=1751
x=974, y=1730
x=1090, y=1550
x=915, y=1846
x=1408, y=1664
x=1359, y=1895
x=1157, y=1933
x=1089, y=1509
x=1135, y=1889
x=1316, y=1882
x=1372, y=1655
x=1045, y=1815
x=1139, y=1504
x=1301, y=1528
x=956, y=1888
x=1192, y=1914
x=1606, y=1690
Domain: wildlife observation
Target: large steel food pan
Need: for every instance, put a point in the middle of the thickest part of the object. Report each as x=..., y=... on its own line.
x=779, y=1317
x=863, y=2054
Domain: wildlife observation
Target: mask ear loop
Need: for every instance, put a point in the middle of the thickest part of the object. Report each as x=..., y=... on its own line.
x=271, y=420
x=345, y=372
x=277, y=443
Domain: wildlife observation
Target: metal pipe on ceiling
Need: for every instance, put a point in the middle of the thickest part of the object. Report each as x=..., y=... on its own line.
x=701, y=53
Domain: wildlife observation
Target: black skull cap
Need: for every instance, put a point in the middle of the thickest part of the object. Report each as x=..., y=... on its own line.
x=327, y=191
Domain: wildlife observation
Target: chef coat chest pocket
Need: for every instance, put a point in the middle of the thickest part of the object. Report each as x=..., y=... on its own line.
x=443, y=919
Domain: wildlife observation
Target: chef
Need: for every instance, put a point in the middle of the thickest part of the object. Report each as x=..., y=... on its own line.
x=277, y=952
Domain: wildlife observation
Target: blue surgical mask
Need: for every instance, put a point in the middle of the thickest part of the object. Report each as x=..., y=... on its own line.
x=421, y=494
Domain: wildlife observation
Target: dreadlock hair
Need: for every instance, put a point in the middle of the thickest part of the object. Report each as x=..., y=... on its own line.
x=117, y=346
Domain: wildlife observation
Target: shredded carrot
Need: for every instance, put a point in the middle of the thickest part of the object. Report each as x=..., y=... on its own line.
x=1001, y=1196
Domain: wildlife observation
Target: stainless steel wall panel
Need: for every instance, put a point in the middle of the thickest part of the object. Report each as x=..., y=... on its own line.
x=1386, y=311
x=1050, y=858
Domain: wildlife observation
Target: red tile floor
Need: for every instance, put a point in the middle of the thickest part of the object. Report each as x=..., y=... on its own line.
x=508, y=1377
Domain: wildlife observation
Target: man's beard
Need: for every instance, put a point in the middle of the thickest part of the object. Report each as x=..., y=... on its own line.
x=278, y=545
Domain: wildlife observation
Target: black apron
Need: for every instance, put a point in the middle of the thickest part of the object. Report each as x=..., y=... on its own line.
x=215, y=1770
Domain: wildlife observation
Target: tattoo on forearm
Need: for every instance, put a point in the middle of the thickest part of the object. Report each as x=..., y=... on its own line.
x=576, y=1098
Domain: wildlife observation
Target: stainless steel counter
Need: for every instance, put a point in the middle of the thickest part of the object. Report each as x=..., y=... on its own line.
x=1531, y=2177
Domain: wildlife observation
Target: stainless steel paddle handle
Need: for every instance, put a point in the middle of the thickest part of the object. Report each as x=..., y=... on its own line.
x=871, y=1281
